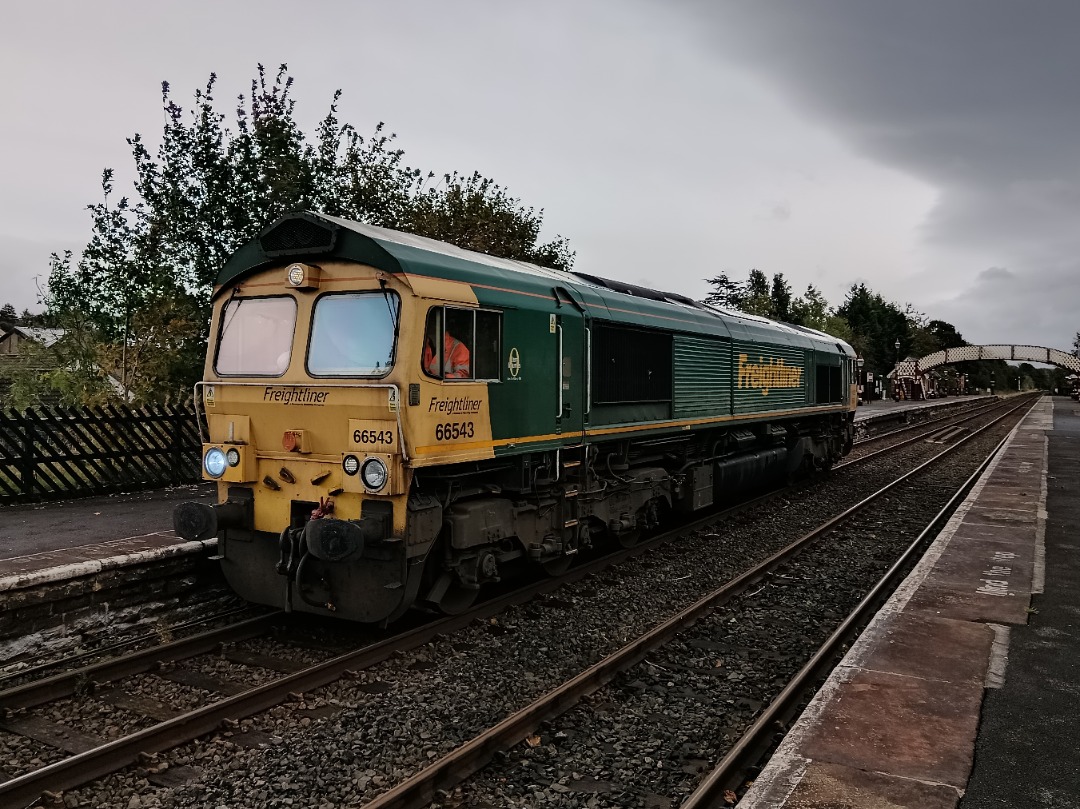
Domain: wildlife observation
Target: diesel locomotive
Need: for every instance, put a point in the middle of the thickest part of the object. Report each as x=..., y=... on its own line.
x=394, y=421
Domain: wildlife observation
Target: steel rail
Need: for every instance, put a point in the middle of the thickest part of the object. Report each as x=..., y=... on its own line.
x=67, y=683
x=112, y=756
x=974, y=410
x=420, y=789
x=115, y=755
x=1003, y=406
x=758, y=738
x=81, y=768
x=75, y=659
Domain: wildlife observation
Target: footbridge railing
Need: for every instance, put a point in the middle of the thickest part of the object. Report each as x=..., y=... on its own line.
x=1016, y=353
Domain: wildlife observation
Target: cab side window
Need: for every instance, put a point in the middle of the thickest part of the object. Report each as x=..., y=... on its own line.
x=488, y=348
x=462, y=344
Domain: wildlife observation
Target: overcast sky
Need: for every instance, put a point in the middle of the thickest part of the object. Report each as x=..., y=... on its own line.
x=929, y=149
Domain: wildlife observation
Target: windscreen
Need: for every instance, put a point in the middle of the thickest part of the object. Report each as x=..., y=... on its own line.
x=256, y=336
x=353, y=334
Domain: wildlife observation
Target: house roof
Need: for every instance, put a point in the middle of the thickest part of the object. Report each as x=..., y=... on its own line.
x=46, y=337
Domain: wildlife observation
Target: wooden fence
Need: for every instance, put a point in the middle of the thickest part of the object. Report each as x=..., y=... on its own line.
x=51, y=453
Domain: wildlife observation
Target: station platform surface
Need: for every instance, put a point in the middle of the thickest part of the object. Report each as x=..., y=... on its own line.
x=883, y=407
x=962, y=691
x=71, y=537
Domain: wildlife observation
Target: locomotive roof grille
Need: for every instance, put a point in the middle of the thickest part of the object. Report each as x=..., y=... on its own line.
x=640, y=292
x=298, y=235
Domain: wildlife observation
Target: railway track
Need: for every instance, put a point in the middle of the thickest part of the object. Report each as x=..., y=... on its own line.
x=47, y=665
x=27, y=673
x=97, y=760
x=919, y=430
x=880, y=425
x=718, y=786
x=437, y=781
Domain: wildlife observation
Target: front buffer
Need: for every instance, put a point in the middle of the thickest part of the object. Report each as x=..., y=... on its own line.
x=352, y=569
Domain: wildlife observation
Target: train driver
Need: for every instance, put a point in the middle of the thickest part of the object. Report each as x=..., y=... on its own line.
x=455, y=357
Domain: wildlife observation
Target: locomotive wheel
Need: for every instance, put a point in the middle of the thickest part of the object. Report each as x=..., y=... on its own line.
x=629, y=539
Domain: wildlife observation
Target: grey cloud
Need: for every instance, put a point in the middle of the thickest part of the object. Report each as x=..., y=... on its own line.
x=780, y=212
x=666, y=141
x=1003, y=307
x=995, y=274
x=978, y=98
x=24, y=267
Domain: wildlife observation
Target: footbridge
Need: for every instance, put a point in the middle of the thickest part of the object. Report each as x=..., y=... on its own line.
x=1051, y=356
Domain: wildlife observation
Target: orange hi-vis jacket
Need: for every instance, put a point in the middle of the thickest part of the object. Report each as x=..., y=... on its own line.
x=455, y=358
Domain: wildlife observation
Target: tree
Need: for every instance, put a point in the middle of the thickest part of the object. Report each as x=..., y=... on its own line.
x=69, y=372
x=1076, y=345
x=756, y=300
x=810, y=309
x=945, y=334
x=837, y=326
x=923, y=341
x=876, y=325
x=756, y=296
x=726, y=293
x=209, y=187
x=8, y=315
x=477, y=214
x=780, y=298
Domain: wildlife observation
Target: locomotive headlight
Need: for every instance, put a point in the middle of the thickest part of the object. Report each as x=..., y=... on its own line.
x=214, y=462
x=233, y=456
x=350, y=464
x=302, y=276
x=296, y=275
x=374, y=473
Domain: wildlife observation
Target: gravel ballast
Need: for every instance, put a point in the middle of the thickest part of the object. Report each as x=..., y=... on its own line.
x=348, y=742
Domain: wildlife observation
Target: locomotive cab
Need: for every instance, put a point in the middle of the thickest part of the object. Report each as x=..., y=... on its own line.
x=301, y=402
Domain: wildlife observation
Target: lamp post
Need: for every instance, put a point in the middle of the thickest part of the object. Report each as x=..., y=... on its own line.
x=896, y=373
x=991, y=384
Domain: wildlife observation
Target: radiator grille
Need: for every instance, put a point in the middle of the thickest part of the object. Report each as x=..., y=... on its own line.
x=292, y=236
x=702, y=376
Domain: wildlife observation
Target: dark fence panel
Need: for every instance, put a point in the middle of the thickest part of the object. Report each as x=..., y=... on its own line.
x=51, y=453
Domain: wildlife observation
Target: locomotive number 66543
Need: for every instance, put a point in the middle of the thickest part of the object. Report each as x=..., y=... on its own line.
x=453, y=431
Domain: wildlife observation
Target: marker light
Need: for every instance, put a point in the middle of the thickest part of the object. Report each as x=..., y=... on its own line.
x=214, y=462
x=351, y=464
x=374, y=473
x=233, y=456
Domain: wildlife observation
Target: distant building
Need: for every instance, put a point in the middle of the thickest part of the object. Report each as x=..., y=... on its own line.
x=14, y=356
x=13, y=338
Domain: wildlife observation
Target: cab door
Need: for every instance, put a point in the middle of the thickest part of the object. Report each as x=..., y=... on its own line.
x=571, y=325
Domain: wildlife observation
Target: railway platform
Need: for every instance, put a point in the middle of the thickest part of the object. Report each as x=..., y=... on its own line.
x=880, y=408
x=961, y=691
x=50, y=542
